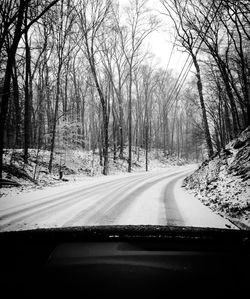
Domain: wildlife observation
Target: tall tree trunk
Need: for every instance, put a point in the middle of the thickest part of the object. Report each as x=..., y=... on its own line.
x=55, y=118
x=226, y=79
x=130, y=122
x=7, y=78
x=121, y=127
x=203, y=108
x=105, y=117
x=114, y=125
x=146, y=144
x=82, y=120
x=104, y=103
x=106, y=143
x=27, y=103
x=227, y=127
x=17, y=106
x=166, y=133
x=248, y=108
x=146, y=131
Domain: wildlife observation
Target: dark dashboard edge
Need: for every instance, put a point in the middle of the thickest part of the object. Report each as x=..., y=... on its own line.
x=111, y=232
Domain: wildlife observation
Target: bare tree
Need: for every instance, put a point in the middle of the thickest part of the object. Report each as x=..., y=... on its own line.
x=140, y=23
x=91, y=16
x=115, y=64
x=13, y=29
x=63, y=27
x=181, y=20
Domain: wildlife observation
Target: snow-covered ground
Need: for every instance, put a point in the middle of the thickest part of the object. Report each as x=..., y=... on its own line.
x=223, y=183
x=76, y=165
x=167, y=203
x=155, y=197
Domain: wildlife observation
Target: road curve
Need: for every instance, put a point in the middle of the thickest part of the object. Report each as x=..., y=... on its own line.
x=143, y=198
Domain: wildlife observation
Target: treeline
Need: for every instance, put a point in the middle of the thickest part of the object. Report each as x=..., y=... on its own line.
x=80, y=78
x=216, y=34
x=75, y=74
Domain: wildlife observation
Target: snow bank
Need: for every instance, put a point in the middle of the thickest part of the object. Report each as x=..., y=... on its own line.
x=223, y=183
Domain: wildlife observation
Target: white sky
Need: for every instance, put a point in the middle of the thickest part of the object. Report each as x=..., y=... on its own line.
x=160, y=42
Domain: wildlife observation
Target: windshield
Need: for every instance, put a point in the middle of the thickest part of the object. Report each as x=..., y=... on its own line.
x=118, y=112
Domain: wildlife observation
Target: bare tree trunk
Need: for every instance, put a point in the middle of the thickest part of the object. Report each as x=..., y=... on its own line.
x=55, y=119
x=27, y=105
x=228, y=127
x=130, y=122
x=166, y=133
x=146, y=145
x=7, y=79
x=17, y=106
x=105, y=116
x=203, y=108
x=106, y=144
x=146, y=131
x=121, y=128
x=82, y=120
x=225, y=77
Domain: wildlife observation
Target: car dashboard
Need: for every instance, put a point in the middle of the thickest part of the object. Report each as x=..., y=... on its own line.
x=125, y=261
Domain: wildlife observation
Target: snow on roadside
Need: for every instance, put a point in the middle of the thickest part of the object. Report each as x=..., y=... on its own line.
x=76, y=165
x=223, y=183
x=149, y=208
x=195, y=213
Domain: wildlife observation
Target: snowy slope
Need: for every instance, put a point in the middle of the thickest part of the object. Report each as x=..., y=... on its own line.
x=223, y=183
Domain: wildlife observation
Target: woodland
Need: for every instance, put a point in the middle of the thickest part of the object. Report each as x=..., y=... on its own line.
x=77, y=75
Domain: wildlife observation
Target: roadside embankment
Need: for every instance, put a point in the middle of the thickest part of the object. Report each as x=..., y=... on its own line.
x=223, y=182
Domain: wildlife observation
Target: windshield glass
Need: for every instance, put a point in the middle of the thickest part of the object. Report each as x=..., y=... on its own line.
x=118, y=112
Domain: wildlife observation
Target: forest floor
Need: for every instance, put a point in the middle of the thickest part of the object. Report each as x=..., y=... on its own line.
x=76, y=165
x=223, y=182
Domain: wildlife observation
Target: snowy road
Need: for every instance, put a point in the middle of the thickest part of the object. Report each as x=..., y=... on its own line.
x=141, y=198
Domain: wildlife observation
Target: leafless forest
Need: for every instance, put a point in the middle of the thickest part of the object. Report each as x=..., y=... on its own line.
x=77, y=75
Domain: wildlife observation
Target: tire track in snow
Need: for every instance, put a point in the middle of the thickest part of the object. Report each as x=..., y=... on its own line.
x=110, y=213
x=172, y=212
x=51, y=198
x=93, y=214
x=54, y=197
x=81, y=202
x=41, y=208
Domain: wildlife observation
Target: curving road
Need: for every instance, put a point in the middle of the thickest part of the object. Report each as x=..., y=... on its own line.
x=143, y=198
